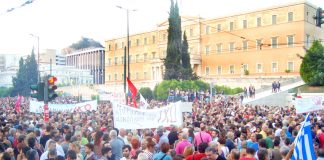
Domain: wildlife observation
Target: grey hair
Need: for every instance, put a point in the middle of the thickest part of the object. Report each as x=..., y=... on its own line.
x=113, y=133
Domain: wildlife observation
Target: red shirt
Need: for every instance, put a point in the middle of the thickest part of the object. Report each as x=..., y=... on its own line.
x=245, y=158
x=321, y=140
x=197, y=156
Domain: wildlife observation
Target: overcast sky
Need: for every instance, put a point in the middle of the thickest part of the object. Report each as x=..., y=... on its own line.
x=59, y=23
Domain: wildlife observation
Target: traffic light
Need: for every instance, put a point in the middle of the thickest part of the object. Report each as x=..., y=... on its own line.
x=51, y=87
x=319, y=17
x=38, y=91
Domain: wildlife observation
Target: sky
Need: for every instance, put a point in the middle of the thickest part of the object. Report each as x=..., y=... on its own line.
x=59, y=23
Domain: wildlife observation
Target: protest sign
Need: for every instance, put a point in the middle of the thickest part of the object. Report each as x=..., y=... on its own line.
x=304, y=105
x=38, y=107
x=132, y=118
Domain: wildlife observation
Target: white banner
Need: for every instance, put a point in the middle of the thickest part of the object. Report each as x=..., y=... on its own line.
x=38, y=107
x=132, y=118
x=304, y=105
x=113, y=97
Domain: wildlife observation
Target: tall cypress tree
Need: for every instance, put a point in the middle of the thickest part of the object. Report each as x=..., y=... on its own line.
x=20, y=79
x=186, y=73
x=173, y=57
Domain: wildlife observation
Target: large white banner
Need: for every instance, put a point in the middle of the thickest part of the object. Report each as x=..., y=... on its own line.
x=132, y=118
x=38, y=107
x=304, y=105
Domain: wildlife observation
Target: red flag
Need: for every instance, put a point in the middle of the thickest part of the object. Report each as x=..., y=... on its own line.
x=18, y=103
x=133, y=90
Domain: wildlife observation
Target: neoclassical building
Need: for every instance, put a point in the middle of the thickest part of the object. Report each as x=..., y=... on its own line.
x=262, y=43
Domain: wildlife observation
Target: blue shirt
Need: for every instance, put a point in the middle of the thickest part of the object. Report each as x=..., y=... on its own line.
x=159, y=155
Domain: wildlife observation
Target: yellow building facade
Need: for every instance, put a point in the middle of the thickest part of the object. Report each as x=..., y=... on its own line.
x=263, y=43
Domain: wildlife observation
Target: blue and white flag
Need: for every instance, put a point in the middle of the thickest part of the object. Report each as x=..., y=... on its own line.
x=304, y=149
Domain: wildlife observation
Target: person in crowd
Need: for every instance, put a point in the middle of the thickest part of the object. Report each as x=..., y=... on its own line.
x=163, y=154
x=263, y=154
x=200, y=154
x=116, y=145
x=90, y=155
x=202, y=136
x=135, y=146
x=182, y=144
x=212, y=154
x=250, y=154
x=71, y=155
x=126, y=152
x=189, y=150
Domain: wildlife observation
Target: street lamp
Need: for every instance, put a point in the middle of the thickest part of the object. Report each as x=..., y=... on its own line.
x=35, y=36
x=127, y=11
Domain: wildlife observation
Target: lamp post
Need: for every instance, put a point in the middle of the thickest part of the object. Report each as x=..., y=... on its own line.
x=38, y=78
x=127, y=12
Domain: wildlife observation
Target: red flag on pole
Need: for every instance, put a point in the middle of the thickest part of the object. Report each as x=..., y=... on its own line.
x=18, y=103
x=133, y=90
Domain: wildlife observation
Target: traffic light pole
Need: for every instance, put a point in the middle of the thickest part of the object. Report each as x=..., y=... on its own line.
x=46, y=91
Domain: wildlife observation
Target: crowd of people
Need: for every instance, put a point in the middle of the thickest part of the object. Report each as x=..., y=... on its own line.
x=223, y=129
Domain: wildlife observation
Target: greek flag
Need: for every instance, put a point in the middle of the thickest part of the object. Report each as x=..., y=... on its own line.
x=304, y=149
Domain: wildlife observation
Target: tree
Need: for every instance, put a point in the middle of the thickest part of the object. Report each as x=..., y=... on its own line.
x=186, y=73
x=312, y=67
x=147, y=93
x=27, y=75
x=173, y=57
x=85, y=43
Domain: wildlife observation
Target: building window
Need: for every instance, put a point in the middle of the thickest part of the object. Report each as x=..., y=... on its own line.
x=245, y=67
x=231, y=26
x=136, y=75
x=191, y=32
x=122, y=60
x=109, y=62
x=153, y=55
x=274, y=67
x=219, y=70
x=145, y=75
x=115, y=76
x=153, y=39
x=219, y=27
x=290, y=40
x=258, y=21
x=137, y=42
x=116, y=60
x=207, y=29
x=109, y=47
x=244, y=24
x=116, y=45
x=231, y=46
x=274, y=42
x=164, y=37
x=290, y=16
x=231, y=69
x=307, y=40
x=219, y=48
x=137, y=58
x=290, y=66
x=245, y=45
x=259, y=68
x=145, y=56
x=274, y=19
x=130, y=58
x=258, y=43
x=109, y=78
x=145, y=41
x=207, y=71
x=207, y=50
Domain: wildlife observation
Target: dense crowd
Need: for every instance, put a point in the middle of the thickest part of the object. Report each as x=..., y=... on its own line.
x=223, y=129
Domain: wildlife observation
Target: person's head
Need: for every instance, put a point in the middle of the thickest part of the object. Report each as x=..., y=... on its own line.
x=263, y=154
x=68, y=137
x=89, y=148
x=126, y=151
x=32, y=155
x=276, y=142
x=214, y=133
x=51, y=144
x=98, y=137
x=165, y=147
x=113, y=134
x=71, y=155
x=320, y=153
x=184, y=136
x=265, y=128
x=135, y=143
x=287, y=141
x=250, y=151
x=6, y=156
x=106, y=151
x=150, y=144
x=31, y=142
x=262, y=143
x=202, y=147
x=52, y=153
x=253, y=137
x=143, y=144
x=75, y=146
x=122, y=132
x=235, y=154
x=188, y=151
x=211, y=153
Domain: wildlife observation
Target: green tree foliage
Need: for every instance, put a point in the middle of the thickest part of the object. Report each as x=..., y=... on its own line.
x=147, y=93
x=173, y=57
x=312, y=67
x=85, y=43
x=5, y=92
x=26, y=76
x=186, y=73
